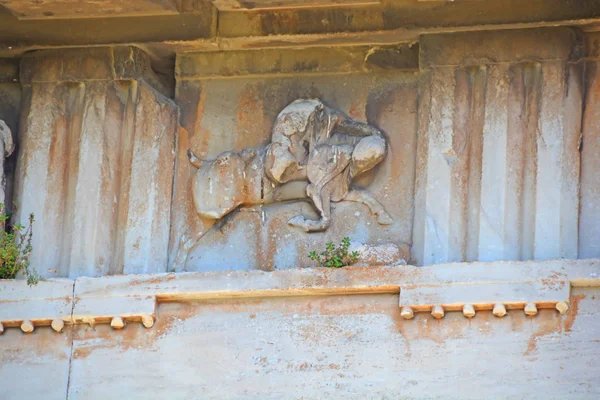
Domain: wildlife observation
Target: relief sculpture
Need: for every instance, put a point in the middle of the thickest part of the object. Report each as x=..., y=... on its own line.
x=314, y=154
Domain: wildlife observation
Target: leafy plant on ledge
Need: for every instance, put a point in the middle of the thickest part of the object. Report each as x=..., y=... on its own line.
x=15, y=250
x=335, y=257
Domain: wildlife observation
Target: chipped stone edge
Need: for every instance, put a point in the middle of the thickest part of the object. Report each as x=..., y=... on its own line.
x=116, y=299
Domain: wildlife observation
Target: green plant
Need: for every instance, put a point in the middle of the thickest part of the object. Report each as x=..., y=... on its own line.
x=15, y=250
x=335, y=257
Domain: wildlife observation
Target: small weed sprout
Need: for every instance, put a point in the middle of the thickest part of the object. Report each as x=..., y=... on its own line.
x=335, y=257
x=15, y=250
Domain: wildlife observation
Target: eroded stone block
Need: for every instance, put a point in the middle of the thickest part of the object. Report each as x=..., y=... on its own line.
x=499, y=156
x=95, y=162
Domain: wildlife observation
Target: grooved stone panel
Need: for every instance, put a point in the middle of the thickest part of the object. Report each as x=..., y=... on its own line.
x=589, y=218
x=95, y=163
x=498, y=154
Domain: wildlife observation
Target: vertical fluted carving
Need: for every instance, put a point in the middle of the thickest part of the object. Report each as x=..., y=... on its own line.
x=589, y=227
x=95, y=163
x=498, y=144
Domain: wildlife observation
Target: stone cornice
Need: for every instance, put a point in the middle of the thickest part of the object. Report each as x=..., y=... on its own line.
x=118, y=63
x=202, y=25
x=295, y=62
x=495, y=47
x=133, y=298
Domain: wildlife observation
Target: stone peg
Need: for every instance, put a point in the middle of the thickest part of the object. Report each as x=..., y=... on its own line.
x=57, y=324
x=147, y=321
x=117, y=323
x=468, y=311
x=531, y=309
x=438, y=312
x=562, y=307
x=499, y=310
x=407, y=313
x=27, y=326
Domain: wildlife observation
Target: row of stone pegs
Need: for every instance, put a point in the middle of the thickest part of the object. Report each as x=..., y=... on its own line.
x=58, y=324
x=468, y=310
x=119, y=323
x=28, y=327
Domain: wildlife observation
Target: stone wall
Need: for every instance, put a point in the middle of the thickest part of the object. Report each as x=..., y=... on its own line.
x=306, y=333
x=491, y=150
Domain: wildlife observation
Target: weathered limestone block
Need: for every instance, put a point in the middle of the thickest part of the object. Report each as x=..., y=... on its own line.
x=42, y=353
x=95, y=162
x=589, y=217
x=25, y=9
x=498, y=172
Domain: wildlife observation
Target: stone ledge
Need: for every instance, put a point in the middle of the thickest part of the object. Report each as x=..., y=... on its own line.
x=40, y=304
x=472, y=297
x=506, y=46
x=291, y=62
x=133, y=297
x=90, y=64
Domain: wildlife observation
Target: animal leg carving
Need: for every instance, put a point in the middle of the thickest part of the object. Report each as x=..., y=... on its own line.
x=326, y=166
x=323, y=204
x=362, y=196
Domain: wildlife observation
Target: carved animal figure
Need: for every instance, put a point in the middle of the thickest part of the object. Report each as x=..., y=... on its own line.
x=313, y=142
x=315, y=152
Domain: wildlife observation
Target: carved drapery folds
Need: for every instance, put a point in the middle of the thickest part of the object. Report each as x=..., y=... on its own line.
x=500, y=123
x=95, y=162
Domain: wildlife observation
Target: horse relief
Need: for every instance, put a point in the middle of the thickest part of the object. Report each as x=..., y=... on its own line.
x=315, y=152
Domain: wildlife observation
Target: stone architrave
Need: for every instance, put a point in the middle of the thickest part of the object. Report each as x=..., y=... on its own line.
x=95, y=161
x=311, y=143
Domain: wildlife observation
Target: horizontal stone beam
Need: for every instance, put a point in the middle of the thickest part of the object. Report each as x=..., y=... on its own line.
x=98, y=310
x=36, y=10
x=495, y=47
x=324, y=281
x=40, y=304
x=209, y=28
x=294, y=62
x=96, y=64
x=121, y=298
